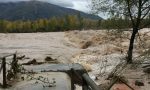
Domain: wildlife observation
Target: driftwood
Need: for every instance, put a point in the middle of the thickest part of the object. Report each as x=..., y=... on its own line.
x=118, y=79
x=116, y=75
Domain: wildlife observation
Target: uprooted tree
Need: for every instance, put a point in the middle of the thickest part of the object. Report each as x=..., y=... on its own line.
x=136, y=10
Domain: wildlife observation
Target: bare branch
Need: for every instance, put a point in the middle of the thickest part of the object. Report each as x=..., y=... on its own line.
x=129, y=10
x=145, y=14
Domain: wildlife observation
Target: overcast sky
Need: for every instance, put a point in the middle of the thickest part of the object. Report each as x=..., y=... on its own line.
x=81, y=5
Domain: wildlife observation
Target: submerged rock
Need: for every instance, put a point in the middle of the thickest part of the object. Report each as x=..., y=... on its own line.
x=30, y=62
x=147, y=70
x=85, y=44
x=139, y=83
x=33, y=62
x=51, y=60
x=21, y=57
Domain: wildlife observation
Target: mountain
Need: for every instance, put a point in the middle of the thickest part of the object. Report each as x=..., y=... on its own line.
x=32, y=10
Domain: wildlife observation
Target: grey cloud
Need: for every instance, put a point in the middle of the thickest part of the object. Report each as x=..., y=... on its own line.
x=63, y=3
x=80, y=5
x=12, y=0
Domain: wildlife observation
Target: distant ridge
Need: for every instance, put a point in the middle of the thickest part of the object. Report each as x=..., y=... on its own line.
x=32, y=10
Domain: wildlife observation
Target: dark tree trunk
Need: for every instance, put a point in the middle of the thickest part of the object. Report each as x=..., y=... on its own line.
x=130, y=50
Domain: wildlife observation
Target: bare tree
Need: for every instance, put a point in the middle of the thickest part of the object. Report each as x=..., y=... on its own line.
x=135, y=10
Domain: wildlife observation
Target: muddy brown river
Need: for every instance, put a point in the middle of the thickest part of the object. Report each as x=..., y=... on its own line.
x=37, y=45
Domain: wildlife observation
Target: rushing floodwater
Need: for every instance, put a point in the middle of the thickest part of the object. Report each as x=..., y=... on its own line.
x=37, y=45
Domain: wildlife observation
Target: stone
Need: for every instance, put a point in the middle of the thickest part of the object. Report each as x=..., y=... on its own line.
x=139, y=83
x=51, y=60
x=85, y=44
x=147, y=70
x=30, y=62
x=21, y=57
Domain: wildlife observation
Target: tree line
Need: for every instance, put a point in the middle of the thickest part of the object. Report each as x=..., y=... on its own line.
x=69, y=22
x=121, y=23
